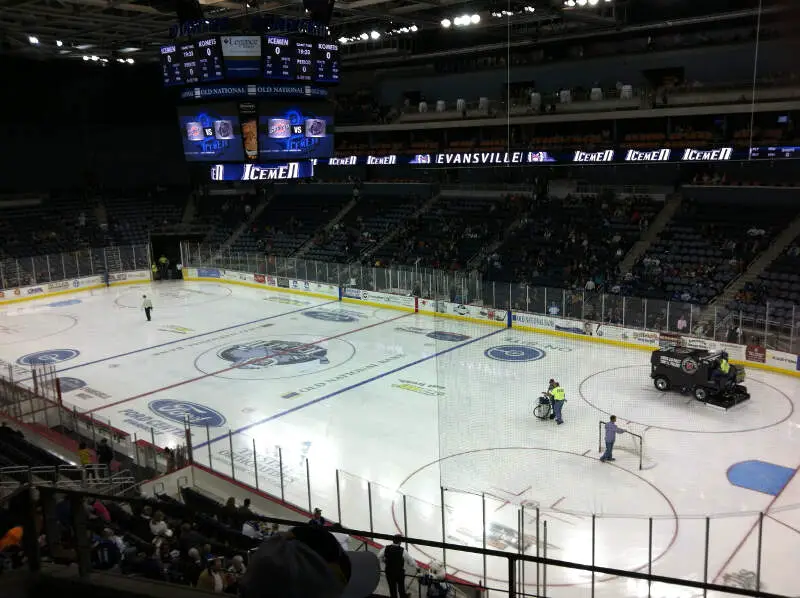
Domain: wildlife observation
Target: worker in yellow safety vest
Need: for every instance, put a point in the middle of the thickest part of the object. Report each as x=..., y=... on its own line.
x=723, y=368
x=559, y=397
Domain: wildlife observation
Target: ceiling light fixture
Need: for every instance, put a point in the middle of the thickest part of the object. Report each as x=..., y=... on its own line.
x=33, y=40
x=446, y=23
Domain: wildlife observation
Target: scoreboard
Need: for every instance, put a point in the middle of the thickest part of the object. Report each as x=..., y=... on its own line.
x=281, y=58
x=192, y=62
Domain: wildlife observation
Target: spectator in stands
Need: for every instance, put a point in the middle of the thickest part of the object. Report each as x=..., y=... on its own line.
x=682, y=324
x=244, y=510
x=101, y=511
x=192, y=567
x=235, y=573
x=159, y=527
x=190, y=539
x=86, y=459
x=395, y=559
x=317, y=519
x=105, y=456
x=212, y=579
x=105, y=552
x=231, y=512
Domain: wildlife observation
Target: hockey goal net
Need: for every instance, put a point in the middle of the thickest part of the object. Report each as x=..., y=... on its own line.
x=633, y=442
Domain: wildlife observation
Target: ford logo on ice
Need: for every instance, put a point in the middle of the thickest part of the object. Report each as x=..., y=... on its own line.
x=181, y=411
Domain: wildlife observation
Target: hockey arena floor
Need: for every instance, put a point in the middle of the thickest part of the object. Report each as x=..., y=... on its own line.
x=413, y=404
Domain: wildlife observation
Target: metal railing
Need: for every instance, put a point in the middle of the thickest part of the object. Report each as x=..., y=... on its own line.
x=43, y=269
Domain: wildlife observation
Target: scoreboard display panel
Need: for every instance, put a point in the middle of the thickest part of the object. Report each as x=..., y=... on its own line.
x=209, y=59
x=326, y=62
x=171, y=68
x=278, y=58
x=192, y=62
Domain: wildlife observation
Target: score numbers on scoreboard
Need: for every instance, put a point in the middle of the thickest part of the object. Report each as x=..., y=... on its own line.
x=287, y=59
x=192, y=62
x=283, y=58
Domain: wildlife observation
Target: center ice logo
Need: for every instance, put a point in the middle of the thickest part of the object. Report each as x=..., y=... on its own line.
x=265, y=354
x=258, y=358
x=182, y=411
x=514, y=353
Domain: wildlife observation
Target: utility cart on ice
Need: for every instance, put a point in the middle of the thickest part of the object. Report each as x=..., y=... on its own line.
x=697, y=371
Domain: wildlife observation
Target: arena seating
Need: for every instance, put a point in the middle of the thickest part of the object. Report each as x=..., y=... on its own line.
x=372, y=218
x=778, y=287
x=132, y=218
x=702, y=249
x=566, y=243
x=18, y=456
x=292, y=217
x=453, y=231
x=54, y=225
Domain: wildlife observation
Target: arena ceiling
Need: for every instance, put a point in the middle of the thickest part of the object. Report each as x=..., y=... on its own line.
x=135, y=28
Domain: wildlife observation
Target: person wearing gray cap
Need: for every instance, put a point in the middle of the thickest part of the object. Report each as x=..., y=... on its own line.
x=308, y=562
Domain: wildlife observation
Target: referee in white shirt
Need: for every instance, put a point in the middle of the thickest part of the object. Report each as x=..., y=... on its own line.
x=147, y=306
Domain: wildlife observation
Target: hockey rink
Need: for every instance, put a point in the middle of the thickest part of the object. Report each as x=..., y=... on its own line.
x=431, y=409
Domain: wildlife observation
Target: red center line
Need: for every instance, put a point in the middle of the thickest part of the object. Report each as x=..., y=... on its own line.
x=244, y=363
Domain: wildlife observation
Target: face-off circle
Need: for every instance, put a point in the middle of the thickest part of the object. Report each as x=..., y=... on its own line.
x=33, y=326
x=565, y=487
x=174, y=296
x=628, y=392
x=273, y=358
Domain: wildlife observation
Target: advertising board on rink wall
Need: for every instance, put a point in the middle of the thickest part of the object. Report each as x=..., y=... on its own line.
x=460, y=310
x=72, y=285
x=598, y=332
x=403, y=302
